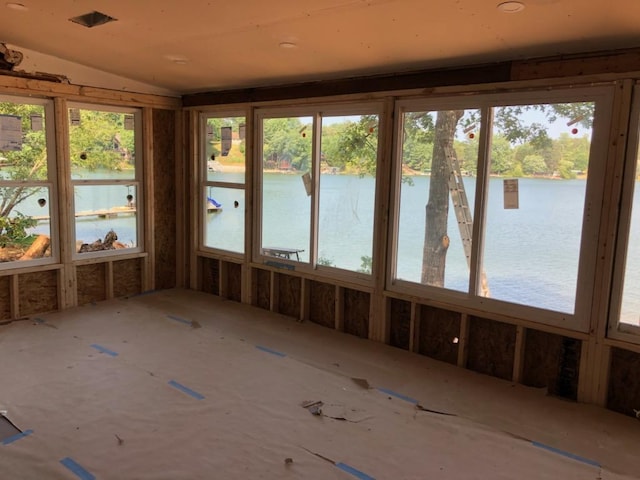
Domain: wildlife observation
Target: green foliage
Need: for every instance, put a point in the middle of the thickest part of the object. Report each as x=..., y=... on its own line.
x=287, y=141
x=366, y=265
x=14, y=230
x=101, y=142
x=327, y=262
x=533, y=165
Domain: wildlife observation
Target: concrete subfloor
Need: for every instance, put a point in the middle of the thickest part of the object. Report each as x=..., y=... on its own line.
x=183, y=385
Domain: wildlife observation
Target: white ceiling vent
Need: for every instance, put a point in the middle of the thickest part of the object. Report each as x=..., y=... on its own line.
x=92, y=19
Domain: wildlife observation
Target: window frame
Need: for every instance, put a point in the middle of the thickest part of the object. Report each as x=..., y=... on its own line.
x=602, y=96
x=316, y=112
x=137, y=181
x=615, y=328
x=203, y=182
x=51, y=182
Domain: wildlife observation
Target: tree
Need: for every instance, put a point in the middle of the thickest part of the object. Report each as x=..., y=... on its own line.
x=29, y=163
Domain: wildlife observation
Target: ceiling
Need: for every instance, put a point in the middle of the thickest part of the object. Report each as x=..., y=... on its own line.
x=190, y=46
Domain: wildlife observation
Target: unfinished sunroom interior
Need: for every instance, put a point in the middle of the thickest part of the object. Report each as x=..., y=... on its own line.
x=344, y=239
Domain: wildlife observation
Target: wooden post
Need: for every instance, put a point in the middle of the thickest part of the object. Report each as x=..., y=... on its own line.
x=339, y=308
x=518, y=357
x=414, y=328
x=147, y=185
x=463, y=341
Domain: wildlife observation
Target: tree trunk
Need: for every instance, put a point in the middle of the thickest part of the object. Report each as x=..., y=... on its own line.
x=37, y=248
x=436, y=240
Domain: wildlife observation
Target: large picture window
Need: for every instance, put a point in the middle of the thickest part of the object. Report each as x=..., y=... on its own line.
x=223, y=187
x=318, y=184
x=492, y=199
x=27, y=173
x=104, y=147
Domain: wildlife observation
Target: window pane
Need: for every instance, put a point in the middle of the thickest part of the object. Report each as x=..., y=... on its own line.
x=630, y=309
x=101, y=144
x=104, y=210
x=534, y=227
x=224, y=221
x=23, y=144
x=225, y=149
x=286, y=203
x=432, y=245
x=25, y=220
x=347, y=191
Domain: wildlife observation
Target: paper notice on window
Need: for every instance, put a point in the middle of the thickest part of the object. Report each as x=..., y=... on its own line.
x=10, y=133
x=74, y=117
x=306, y=179
x=36, y=122
x=128, y=122
x=511, y=193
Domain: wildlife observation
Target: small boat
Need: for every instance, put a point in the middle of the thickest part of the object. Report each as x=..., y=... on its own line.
x=213, y=206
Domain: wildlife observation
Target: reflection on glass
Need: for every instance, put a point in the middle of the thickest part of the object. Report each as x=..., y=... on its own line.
x=225, y=149
x=534, y=226
x=101, y=144
x=286, y=200
x=25, y=223
x=439, y=163
x=630, y=308
x=105, y=217
x=349, y=147
x=23, y=145
x=224, y=221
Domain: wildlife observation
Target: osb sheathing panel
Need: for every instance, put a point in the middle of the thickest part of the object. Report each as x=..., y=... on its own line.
x=400, y=313
x=5, y=298
x=91, y=283
x=322, y=303
x=262, y=291
x=356, y=313
x=164, y=195
x=234, y=282
x=624, y=382
x=438, y=331
x=210, y=274
x=38, y=292
x=551, y=361
x=491, y=347
x=127, y=277
x=289, y=290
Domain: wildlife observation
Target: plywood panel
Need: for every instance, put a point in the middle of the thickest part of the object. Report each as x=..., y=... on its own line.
x=356, y=313
x=400, y=319
x=38, y=292
x=5, y=298
x=91, y=283
x=322, y=304
x=210, y=275
x=491, y=347
x=127, y=277
x=164, y=194
x=234, y=282
x=262, y=288
x=624, y=382
x=439, y=330
x=289, y=291
x=551, y=361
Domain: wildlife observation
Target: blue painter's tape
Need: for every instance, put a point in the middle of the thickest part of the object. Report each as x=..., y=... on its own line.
x=186, y=390
x=272, y=352
x=566, y=454
x=102, y=349
x=353, y=471
x=398, y=395
x=284, y=266
x=76, y=468
x=16, y=437
x=178, y=319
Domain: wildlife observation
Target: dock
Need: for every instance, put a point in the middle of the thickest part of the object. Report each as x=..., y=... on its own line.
x=103, y=213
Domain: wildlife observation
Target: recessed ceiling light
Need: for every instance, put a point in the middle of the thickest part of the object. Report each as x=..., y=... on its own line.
x=511, y=7
x=17, y=6
x=92, y=19
x=288, y=45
